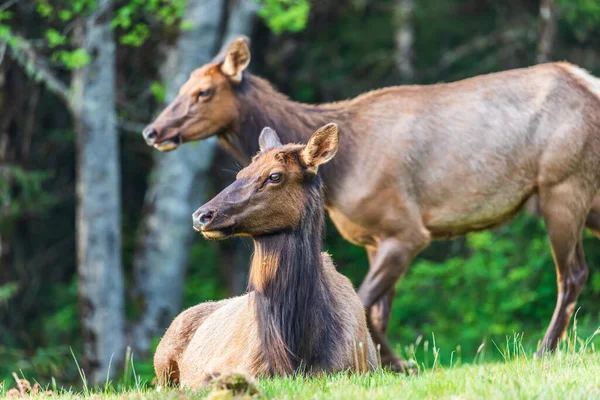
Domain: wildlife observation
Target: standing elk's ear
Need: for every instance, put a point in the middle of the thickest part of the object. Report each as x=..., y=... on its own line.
x=268, y=139
x=321, y=147
x=236, y=60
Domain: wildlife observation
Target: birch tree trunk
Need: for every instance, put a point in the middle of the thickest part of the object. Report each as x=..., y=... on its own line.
x=547, y=30
x=177, y=185
x=405, y=37
x=98, y=198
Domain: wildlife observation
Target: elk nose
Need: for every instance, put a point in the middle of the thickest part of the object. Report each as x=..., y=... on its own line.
x=202, y=218
x=150, y=134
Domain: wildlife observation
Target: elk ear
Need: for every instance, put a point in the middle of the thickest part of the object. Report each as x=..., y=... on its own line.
x=268, y=139
x=321, y=147
x=236, y=59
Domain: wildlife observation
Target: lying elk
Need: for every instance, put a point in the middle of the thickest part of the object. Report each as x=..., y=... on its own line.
x=300, y=313
x=419, y=163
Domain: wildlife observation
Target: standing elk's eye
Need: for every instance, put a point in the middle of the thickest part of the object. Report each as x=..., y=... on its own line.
x=275, y=178
x=203, y=93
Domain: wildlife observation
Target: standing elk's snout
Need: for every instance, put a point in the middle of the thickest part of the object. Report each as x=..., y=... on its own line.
x=150, y=135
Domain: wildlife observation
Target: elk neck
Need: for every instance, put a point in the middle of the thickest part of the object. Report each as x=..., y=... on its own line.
x=293, y=300
x=261, y=105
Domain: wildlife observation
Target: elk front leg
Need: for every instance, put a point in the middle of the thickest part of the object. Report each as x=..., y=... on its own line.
x=389, y=264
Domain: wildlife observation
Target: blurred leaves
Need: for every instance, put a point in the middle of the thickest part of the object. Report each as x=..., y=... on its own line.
x=284, y=15
x=22, y=190
x=7, y=292
x=583, y=16
x=74, y=59
x=159, y=91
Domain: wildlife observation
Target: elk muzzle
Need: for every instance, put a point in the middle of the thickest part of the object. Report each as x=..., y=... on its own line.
x=165, y=133
x=154, y=138
x=203, y=218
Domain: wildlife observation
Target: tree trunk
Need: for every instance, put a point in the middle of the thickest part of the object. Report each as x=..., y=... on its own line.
x=177, y=187
x=547, y=30
x=98, y=198
x=405, y=37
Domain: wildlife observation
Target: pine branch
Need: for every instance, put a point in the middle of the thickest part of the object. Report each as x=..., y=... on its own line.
x=36, y=66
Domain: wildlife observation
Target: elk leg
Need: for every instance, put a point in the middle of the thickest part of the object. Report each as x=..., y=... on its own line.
x=389, y=265
x=176, y=339
x=565, y=214
x=381, y=311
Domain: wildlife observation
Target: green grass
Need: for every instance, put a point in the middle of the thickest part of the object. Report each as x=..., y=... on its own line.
x=573, y=372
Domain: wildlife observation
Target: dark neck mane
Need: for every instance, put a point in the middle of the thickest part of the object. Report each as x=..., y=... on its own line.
x=296, y=320
x=261, y=105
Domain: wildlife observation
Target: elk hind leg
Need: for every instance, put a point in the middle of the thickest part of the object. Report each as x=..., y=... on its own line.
x=381, y=311
x=565, y=207
x=176, y=339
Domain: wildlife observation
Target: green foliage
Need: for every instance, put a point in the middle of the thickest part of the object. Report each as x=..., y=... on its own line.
x=6, y=15
x=44, y=8
x=75, y=59
x=55, y=38
x=7, y=292
x=583, y=16
x=136, y=36
x=204, y=281
x=128, y=18
x=284, y=15
x=21, y=190
x=159, y=91
x=131, y=20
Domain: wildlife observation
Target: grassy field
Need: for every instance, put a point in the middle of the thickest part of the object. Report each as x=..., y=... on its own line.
x=569, y=373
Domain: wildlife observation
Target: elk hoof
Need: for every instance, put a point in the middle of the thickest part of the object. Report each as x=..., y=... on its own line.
x=401, y=366
x=542, y=353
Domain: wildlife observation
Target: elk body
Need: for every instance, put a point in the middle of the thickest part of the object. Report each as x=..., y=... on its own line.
x=419, y=163
x=300, y=314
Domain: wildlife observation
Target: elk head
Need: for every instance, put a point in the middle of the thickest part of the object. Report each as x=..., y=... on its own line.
x=269, y=195
x=206, y=104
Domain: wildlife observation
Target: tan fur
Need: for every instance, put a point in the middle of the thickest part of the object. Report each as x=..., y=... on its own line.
x=227, y=340
x=420, y=163
x=171, y=347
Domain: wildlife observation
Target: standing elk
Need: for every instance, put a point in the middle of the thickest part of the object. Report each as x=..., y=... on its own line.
x=419, y=163
x=301, y=314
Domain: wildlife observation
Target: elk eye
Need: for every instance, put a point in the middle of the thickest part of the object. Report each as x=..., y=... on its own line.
x=275, y=178
x=203, y=93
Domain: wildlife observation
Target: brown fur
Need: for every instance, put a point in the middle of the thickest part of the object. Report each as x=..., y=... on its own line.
x=300, y=313
x=419, y=163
